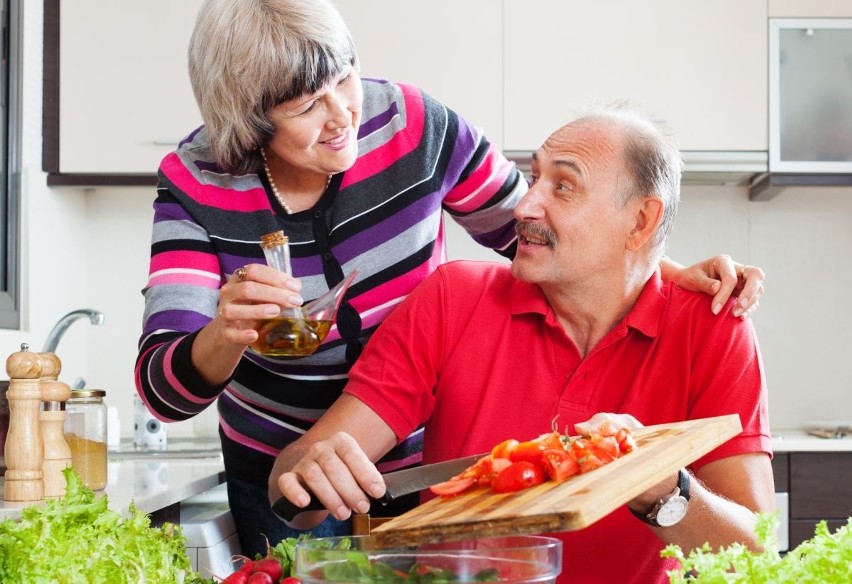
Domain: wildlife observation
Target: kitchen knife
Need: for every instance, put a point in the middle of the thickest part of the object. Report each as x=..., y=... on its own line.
x=397, y=483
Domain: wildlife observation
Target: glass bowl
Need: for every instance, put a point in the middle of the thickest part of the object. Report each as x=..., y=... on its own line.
x=518, y=559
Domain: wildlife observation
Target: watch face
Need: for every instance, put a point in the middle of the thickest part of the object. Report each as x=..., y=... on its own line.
x=672, y=511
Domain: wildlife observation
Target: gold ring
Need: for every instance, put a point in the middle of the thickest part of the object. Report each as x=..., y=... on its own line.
x=240, y=274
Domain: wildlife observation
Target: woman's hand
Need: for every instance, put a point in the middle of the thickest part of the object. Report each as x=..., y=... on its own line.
x=254, y=292
x=721, y=277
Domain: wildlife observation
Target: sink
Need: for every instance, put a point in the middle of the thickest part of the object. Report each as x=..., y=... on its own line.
x=175, y=448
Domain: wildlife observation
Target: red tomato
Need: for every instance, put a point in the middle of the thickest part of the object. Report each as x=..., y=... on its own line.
x=480, y=468
x=529, y=451
x=605, y=448
x=559, y=464
x=551, y=440
x=453, y=486
x=504, y=449
x=626, y=441
x=590, y=462
x=518, y=476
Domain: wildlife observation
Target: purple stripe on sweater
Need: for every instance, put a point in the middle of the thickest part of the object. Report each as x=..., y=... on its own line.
x=379, y=121
x=204, y=165
x=186, y=321
x=384, y=231
x=248, y=418
x=499, y=238
x=191, y=136
x=170, y=212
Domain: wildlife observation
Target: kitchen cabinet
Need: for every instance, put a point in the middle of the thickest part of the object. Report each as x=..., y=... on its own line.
x=117, y=92
x=809, y=8
x=699, y=65
x=450, y=49
x=819, y=489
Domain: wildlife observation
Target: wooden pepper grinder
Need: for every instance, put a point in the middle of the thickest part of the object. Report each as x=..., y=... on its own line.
x=24, y=447
x=57, y=453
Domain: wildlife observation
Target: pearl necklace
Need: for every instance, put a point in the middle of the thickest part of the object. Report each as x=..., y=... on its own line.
x=274, y=187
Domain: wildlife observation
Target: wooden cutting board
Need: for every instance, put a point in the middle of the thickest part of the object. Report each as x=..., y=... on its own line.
x=572, y=504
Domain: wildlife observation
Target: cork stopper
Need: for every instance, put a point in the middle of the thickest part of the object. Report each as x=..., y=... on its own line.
x=23, y=364
x=273, y=239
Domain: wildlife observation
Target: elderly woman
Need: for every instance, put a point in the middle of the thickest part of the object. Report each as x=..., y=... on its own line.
x=358, y=173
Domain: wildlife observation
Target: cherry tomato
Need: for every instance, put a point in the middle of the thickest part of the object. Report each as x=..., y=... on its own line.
x=518, y=476
x=530, y=451
x=551, y=440
x=605, y=448
x=559, y=464
x=590, y=462
x=504, y=449
x=626, y=441
x=453, y=486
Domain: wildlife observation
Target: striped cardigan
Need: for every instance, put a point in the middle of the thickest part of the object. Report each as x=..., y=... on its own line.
x=383, y=216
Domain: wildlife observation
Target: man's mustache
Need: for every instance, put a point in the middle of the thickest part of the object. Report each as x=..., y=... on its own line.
x=530, y=230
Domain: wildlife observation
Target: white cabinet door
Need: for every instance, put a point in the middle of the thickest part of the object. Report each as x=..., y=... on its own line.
x=810, y=8
x=449, y=48
x=125, y=98
x=701, y=65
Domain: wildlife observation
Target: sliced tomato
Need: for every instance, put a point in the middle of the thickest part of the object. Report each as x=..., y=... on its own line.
x=551, y=440
x=605, y=447
x=454, y=486
x=529, y=451
x=559, y=464
x=518, y=476
x=626, y=441
x=480, y=468
x=504, y=449
x=590, y=462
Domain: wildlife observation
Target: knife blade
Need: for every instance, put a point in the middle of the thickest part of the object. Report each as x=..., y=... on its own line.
x=397, y=484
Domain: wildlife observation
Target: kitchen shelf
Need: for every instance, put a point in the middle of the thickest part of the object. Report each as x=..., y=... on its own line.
x=770, y=185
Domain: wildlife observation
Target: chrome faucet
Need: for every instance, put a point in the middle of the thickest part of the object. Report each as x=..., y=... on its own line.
x=95, y=317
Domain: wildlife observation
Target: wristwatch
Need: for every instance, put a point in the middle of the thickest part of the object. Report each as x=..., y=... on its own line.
x=672, y=508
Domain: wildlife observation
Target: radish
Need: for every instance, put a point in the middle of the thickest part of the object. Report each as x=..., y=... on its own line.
x=260, y=578
x=269, y=566
x=236, y=578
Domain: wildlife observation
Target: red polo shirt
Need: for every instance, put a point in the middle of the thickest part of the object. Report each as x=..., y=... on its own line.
x=480, y=357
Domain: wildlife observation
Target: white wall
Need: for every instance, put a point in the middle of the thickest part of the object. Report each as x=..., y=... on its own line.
x=89, y=248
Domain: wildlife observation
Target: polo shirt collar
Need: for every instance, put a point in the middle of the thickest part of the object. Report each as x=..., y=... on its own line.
x=644, y=317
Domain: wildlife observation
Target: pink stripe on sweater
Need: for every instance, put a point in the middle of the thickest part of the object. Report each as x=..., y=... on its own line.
x=402, y=143
x=205, y=262
x=173, y=381
x=494, y=169
x=246, y=441
x=225, y=199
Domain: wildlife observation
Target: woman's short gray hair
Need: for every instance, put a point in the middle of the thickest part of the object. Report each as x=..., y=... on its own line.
x=247, y=56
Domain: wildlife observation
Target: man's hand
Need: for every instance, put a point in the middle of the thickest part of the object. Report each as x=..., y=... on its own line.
x=721, y=277
x=335, y=471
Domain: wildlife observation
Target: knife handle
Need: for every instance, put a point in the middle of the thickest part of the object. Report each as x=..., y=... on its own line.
x=286, y=510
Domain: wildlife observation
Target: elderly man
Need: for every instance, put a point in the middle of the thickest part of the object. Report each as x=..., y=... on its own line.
x=581, y=323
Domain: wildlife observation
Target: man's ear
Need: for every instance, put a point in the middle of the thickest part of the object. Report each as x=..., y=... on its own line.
x=648, y=215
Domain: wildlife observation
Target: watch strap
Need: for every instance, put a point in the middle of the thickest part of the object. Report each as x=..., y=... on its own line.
x=682, y=490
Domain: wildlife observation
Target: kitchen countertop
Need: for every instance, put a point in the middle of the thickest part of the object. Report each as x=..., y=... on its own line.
x=154, y=481
x=800, y=441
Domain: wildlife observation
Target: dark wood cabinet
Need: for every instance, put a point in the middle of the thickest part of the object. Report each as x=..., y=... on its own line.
x=820, y=487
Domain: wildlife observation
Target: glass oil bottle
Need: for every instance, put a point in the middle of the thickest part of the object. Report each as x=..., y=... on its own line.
x=296, y=332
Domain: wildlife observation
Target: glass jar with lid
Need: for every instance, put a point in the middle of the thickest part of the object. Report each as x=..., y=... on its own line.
x=86, y=434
